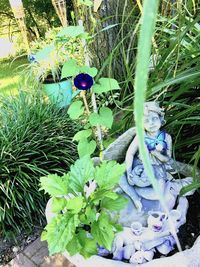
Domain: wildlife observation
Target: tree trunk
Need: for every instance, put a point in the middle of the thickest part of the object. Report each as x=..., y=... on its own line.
x=34, y=22
x=114, y=43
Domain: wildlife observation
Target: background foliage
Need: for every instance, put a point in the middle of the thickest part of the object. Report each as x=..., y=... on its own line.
x=174, y=65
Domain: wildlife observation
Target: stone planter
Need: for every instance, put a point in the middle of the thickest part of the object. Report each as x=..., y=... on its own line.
x=187, y=258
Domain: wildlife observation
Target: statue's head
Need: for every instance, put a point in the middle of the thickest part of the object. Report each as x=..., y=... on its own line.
x=153, y=116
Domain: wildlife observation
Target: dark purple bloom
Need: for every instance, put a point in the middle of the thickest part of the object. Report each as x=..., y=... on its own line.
x=83, y=81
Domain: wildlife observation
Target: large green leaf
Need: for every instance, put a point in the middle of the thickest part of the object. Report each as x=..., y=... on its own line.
x=60, y=231
x=71, y=31
x=82, y=135
x=70, y=68
x=58, y=204
x=102, y=231
x=81, y=172
x=74, y=246
x=108, y=174
x=86, y=147
x=90, y=248
x=114, y=204
x=90, y=214
x=55, y=185
x=104, y=118
x=75, y=204
x=101, y=193
x=75, y=110
x=105, y=85
x=89, y=245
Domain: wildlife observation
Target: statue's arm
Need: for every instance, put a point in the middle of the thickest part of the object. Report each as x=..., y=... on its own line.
x=130, y=154
x=169, y=145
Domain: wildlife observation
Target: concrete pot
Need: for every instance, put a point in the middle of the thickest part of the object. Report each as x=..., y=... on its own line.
x=187, y=258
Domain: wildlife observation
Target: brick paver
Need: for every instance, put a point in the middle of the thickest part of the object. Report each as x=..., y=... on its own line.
x=57, y=261
x=21, y=261
x=32, y=249
x=37, y=255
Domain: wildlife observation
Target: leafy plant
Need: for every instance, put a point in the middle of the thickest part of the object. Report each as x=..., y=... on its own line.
x=82, y=200
x=47, y=62
x=80, y=110
x=35, y=139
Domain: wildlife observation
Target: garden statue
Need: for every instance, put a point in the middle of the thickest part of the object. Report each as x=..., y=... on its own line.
x=159, y=145
x=146, y=224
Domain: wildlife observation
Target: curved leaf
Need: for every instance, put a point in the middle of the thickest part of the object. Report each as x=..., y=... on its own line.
x=82, y=135
x=104, y=118
x=91, y=71
x=81, y=172
x=70, y=68
x=86, y=147
x=75, y=110
x=55, y=185
x=105, y=85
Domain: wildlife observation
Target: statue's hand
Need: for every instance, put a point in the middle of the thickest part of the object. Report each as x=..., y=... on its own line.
x=154, y=152
x=159, y=156
x=130, y=178
x=159, y=147
x=138, y=205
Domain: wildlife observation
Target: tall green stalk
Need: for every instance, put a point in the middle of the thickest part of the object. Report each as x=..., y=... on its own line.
x=141, y=78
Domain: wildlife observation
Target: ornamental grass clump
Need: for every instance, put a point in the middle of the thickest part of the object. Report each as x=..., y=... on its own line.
x=35, y=140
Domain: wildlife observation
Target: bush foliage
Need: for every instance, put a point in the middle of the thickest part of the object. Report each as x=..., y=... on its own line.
x=35, y=139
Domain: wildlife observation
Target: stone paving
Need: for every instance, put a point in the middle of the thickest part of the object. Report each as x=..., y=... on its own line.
x=36, y=255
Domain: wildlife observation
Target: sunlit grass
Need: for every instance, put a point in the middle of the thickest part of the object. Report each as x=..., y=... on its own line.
x=10, y=77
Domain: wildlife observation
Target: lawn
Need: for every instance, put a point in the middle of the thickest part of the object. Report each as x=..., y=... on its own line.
x=10, y=75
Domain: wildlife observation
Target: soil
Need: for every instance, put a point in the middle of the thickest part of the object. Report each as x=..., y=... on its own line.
x=10, y=248
x=188, y=233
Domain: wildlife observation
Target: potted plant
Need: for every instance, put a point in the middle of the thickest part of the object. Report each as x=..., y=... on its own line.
x=45, y=66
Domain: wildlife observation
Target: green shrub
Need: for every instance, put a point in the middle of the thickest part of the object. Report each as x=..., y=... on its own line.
x=35, y=139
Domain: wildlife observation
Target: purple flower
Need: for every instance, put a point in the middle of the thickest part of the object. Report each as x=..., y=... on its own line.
x=83, y=81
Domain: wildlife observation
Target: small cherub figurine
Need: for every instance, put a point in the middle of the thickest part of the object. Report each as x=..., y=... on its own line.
x=159, y=146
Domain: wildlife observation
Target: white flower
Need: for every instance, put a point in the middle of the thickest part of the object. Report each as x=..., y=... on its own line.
x=88, y=190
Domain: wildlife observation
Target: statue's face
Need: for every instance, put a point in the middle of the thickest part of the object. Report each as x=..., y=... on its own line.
x=152, y=122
